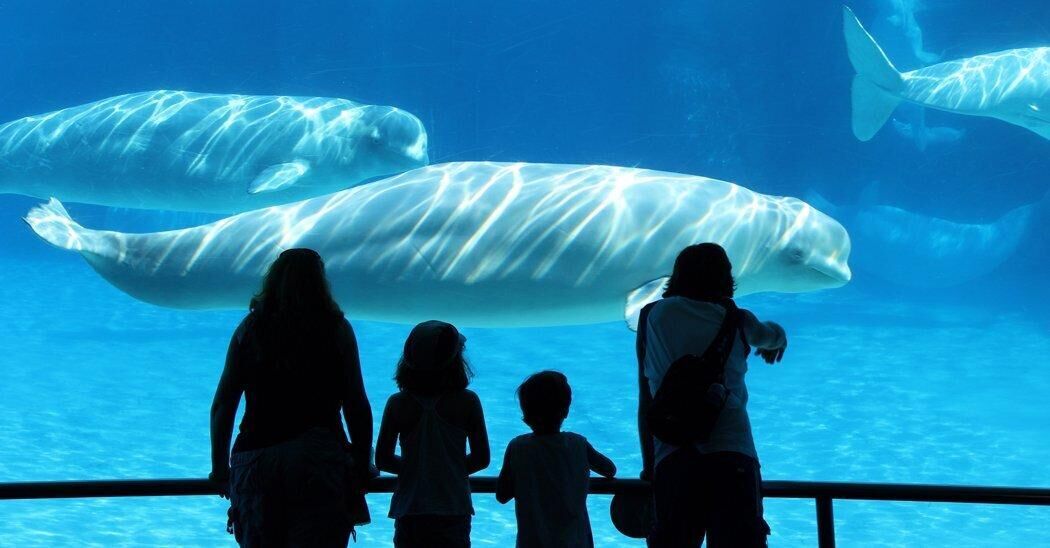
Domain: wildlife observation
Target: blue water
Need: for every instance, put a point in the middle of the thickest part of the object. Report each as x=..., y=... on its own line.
x=883, y=381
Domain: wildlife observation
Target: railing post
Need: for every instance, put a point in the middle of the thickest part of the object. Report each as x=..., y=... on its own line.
x=825, y=523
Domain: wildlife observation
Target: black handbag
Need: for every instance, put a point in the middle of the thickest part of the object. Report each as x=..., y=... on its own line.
x=693, y=393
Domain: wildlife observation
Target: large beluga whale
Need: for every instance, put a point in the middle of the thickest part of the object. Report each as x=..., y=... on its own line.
x=479, y=244
x=1011, y=85
x=911, y=249
x=179, y=150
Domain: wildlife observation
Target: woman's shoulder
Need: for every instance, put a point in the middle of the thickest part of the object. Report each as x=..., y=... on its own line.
x=678, y=309
x=246, y=324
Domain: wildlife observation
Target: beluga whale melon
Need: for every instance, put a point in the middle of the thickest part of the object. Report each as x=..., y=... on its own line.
x=1011, y=85
x=479, y=244
x=186, y=151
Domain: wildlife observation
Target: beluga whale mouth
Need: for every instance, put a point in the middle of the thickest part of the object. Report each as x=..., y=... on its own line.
x=838, y=272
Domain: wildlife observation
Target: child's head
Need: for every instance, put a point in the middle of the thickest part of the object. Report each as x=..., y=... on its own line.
x=545, y=399
x=433, y=362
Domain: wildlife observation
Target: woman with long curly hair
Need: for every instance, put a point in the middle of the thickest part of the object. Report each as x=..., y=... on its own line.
x=294, y=358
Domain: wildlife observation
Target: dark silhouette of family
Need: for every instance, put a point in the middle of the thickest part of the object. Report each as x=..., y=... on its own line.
x=294, y=478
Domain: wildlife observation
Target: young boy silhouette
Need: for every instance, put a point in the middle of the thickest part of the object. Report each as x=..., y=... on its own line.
x=547, y=472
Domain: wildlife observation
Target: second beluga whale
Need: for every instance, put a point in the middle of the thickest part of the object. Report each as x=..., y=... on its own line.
x=186, y=151
x=908, y=248
x=479, y=244
x=1011, y=85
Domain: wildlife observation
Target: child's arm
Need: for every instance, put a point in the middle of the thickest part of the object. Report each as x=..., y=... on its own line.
x=386, y=460
x=505, y=483
x=600, y=463
x=478, y=457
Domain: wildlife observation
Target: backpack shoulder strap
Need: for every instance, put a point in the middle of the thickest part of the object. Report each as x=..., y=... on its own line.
x=643, y=328
x=723, y=341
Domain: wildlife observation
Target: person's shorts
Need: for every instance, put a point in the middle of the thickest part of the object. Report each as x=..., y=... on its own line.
x=715, y=495
x=428, y=531
x=292, y=494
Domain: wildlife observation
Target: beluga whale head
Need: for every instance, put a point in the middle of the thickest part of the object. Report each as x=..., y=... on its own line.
x=806, y=250
x=383, y=141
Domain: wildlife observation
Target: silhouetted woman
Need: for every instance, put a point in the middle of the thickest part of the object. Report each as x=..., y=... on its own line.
x=294, y=357
x=711, y=488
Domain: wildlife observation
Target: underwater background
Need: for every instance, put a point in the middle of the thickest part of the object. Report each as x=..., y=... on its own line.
x=893, y=378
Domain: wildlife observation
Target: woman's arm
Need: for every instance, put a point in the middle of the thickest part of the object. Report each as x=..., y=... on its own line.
x=478, y=457
x=645, y=399
x=223, y=413
x=600, y=463
x=356, y=410
x=505, y=483
x=768, y=337
x=386, y=460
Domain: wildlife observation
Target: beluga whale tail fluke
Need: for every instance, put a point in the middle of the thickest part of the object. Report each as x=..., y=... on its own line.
x=53, y=223
x=1012, y=85
x=877, y=84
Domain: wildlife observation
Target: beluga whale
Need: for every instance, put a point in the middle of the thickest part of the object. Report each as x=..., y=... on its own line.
x=1011, y=85
x=911, y=249
x=479, y=244
x=186, y=151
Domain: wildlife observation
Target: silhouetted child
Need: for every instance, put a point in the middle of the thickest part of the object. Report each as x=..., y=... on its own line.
x=433, y=415
x=548, y=471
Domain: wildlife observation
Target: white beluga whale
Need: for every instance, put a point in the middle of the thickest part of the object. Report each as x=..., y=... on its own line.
x=1011, y=85
x=912, y=249
x=479, y=244
x=179, y=150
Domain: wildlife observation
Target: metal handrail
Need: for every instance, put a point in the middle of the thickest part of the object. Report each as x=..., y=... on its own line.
x=822, y=492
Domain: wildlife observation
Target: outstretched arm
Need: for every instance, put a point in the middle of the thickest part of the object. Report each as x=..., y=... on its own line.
x=600, y=463
x=223, y=413
x=386, y=460
x=478, y=457
x=768, y=337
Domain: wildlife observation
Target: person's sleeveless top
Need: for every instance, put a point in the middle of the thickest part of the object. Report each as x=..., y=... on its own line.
x=678, y=326
x=282, y=403
x=433, y=478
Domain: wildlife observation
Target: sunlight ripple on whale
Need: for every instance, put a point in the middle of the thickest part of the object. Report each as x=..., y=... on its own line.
x=179, y=150
x=1011, y=85
x=480, y=243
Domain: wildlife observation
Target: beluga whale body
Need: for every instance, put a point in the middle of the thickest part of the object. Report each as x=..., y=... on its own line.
x=479, y=244
x=1011, y=85
x=911, y=249
x=186, y=151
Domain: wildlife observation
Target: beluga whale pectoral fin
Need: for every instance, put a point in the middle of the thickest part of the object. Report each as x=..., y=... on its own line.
x=641, y=296
x=876, y=88
x=278, y=177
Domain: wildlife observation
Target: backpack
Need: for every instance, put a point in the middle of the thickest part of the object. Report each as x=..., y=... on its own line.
x=692, y=394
